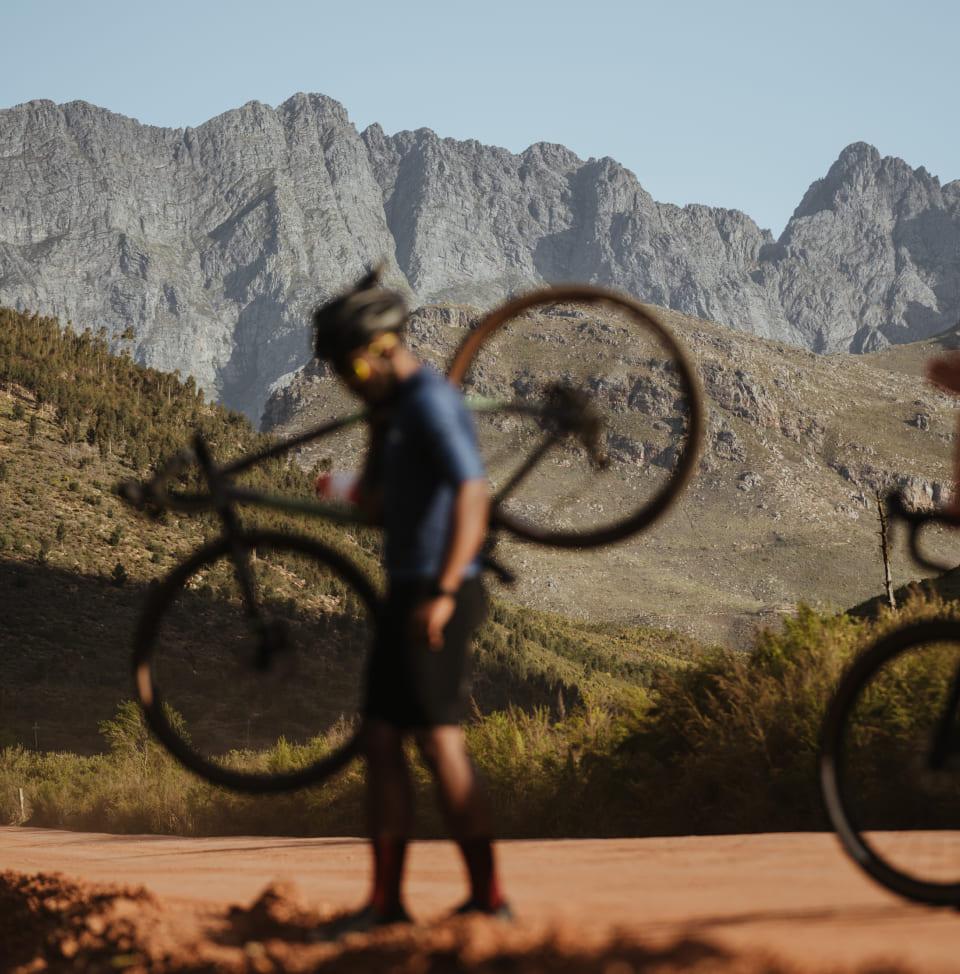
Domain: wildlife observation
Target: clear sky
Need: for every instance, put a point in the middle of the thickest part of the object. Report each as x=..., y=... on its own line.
x=733, y=103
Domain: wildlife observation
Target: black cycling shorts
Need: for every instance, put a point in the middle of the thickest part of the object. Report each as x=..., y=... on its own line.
x=410, y=685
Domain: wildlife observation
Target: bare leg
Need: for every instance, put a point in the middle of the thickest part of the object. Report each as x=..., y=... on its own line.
x=460, y=790
x=466, y=807
x=389, y=811
x=389, y=791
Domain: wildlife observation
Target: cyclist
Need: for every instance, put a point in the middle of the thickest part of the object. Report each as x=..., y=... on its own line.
x=423, y=479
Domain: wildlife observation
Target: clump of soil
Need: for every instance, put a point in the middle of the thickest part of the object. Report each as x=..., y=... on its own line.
x=51, y=924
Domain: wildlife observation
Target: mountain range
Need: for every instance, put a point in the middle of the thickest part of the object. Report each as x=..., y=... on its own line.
x=213, y=243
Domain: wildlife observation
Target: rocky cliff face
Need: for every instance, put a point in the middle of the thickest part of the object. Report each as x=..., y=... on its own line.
x=871, y=255
x=215, y=242
x=212, y=242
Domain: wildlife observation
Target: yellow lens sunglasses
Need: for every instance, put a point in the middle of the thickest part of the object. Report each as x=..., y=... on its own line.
x=356, y=365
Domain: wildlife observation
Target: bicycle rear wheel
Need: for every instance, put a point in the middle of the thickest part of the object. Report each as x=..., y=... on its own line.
x=890, y=762
x=261, y=704
x=578, y=351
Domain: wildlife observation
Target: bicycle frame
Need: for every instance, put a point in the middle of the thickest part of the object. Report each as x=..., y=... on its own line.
x=945, y=743
x=565, y=415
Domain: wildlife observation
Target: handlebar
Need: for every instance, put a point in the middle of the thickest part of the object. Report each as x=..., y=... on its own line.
x=916, y=520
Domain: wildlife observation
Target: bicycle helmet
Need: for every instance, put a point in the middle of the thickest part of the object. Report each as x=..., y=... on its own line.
x=355, y=317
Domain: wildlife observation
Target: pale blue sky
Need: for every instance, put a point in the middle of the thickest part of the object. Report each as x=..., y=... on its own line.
x=740, y=103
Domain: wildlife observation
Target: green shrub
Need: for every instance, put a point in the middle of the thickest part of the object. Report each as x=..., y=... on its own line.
x=43, y=552
x=727, y=743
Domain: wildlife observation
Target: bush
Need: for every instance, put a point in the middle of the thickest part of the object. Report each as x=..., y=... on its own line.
x=726, y=744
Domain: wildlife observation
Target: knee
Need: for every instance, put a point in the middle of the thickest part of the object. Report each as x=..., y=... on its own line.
x=443, y=750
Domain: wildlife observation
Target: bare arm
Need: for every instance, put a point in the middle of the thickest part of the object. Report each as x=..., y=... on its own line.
x=471, y=515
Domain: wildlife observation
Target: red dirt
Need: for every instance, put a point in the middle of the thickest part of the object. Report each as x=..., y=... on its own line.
x=753, y=904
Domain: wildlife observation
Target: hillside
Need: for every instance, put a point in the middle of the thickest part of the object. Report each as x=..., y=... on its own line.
x=76, y=561
x=614, y=729
x=783, y=509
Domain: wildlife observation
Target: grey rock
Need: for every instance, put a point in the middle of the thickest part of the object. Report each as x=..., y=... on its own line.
x=215, y=242
x=869, y=340
x=740, y=393
x=212, y=242
x=724, y=444
x=874, y=245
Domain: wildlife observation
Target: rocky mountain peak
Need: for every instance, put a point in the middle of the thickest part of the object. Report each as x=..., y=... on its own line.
x=861, y=178
x=871, y=255
x=215, y=242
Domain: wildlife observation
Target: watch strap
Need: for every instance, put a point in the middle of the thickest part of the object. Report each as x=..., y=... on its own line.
x=437, y=590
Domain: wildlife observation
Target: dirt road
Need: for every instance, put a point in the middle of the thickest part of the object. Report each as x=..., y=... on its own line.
x=753, y=903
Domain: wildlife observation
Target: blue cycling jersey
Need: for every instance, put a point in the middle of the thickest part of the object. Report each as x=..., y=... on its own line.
x=429, y=449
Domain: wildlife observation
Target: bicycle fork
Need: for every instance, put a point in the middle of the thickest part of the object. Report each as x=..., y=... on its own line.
x=270, y=635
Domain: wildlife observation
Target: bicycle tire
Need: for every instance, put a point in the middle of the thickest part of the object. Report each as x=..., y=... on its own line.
x=897, y=816
x=615, y=376
x=195, y=604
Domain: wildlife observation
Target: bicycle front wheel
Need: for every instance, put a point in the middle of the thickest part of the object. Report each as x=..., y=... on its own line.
x=597, y=390
x=890, y=762
x=261, y=699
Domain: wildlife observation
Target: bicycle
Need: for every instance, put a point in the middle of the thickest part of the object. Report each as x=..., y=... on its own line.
x=615, y=466
x=889, y=761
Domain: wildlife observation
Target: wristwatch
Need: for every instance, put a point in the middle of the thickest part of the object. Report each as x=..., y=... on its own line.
x=437, y=590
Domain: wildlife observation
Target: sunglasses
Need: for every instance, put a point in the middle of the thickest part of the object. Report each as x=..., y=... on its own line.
x=355, y=366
